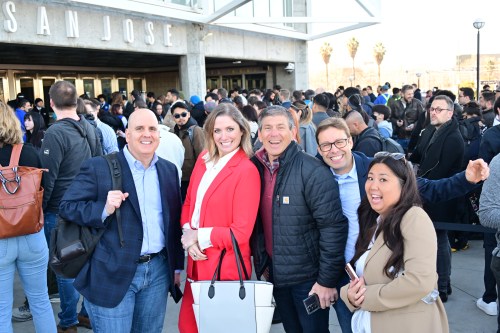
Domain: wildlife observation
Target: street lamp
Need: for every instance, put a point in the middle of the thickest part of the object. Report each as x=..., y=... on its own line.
x=478, y=24
x=351, y=78
x=419, y=74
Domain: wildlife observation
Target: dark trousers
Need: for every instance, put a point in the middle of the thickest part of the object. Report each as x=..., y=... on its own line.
x=184, y=190
x=290, y=305
x=495, y=268
x=443, y=266
x=490, y=284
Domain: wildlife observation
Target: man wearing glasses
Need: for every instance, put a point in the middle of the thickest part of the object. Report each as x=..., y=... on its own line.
x=440, y=155
x=193, y=140
x=350, y=170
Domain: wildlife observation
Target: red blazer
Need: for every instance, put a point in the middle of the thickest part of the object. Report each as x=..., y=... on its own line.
x=230, y=203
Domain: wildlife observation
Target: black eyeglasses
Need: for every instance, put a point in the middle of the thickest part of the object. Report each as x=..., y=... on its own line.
x=327, y=146
x=438, y=109
x=396, y=156
x=178, y=115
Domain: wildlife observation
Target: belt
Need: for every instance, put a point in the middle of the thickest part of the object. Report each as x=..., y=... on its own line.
x=146, y=258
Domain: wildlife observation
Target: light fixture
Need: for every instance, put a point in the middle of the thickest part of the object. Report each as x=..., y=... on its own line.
x=207, y=36
x=237, y=62
x=479, y=23
x=419, y=74
x=290, y=68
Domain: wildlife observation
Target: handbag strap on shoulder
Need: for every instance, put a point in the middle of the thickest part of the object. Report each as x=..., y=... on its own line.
x=16, y=154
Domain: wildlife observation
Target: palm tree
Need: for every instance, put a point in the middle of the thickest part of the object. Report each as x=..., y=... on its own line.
x=379, y=53
x=326, y=53
x=352, y=47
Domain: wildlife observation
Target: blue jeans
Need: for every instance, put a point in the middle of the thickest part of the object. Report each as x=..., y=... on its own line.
x=67, y=293
x=344, y=315
x=290, y=305
x=404, y=143
x=144, y=305
x=30, y=255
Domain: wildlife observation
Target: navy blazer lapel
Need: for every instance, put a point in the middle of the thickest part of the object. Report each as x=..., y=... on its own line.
x=129, y=184
x=163, y=183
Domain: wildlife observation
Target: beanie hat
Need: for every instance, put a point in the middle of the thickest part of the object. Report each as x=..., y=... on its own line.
x=195, y=99
x=210, y=106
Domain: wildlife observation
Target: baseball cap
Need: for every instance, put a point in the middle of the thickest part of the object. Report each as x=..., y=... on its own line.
x=384, y=87
x=210, y=106
x=135, y=93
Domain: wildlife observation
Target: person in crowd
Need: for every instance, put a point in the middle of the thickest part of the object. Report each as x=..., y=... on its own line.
x=89, y=117
x=244, y=93
x=255, y=92
x=232, y=94
x=223, y=173
x=369, y=89
x=269, y=98
x=211, y=97
x=487, y=102
x=223, y=96
x=251, y=116
x=159, y=111
x=486, y=87
x=117, y=110
x=252, y=100
x=28, y=254
x=352, y=100
x=307, y=129
x=113, y=121
x=350, y=170
x=117, y=98
x=381, y=114
x=417, y=93
x=276, y=89
x=67, y=143
x=171, y=148
x=319, y=107
x=457, y=109
x=209, y=107
x=308, y=97
x=297, y=96
x=38, y=107
x=428, y=96
x=173, y=97
x=490, y=143
x=13, y=103
x=163, y=100
x=333, y=106
x=367, y=104
x=150, y=99
x=110, y=143
x=135, y=95
x=197, y=110
x=366, y=141
x=320, y=90
x=214, y=91
x=306, y=224
x=139, y=104
x=260, y=106
x=395, y=256
x=192, y=138
x=35, y=129
x=128, y=107
x=396, y=96
x=102, y=101
x=465, y=96
x=439, y=156
x=405, y=114
x=489, y=215
x=238, y=103
x=384, y=96
x=129, y=290
x=284, y=97
x=22, y=108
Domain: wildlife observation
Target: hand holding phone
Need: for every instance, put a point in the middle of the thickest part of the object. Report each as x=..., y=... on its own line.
x=312, y=304
x=351, y=272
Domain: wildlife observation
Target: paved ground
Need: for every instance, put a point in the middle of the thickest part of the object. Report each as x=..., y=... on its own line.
x=463, y=314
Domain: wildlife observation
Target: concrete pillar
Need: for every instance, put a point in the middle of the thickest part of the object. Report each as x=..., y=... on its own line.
x=192, y=65
x=301, y=66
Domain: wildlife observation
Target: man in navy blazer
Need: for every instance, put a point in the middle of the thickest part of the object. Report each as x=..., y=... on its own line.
x=126, y=285
x=350, y=169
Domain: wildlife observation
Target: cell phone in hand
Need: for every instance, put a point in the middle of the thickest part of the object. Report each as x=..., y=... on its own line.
x=312, y=304
x=351, y=272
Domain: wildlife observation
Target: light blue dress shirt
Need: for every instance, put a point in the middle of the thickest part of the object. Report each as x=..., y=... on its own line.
x=147, y=187
x=351, y=199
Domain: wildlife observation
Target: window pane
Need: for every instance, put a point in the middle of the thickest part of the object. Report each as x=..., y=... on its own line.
x=88, y=87
x=72, y=81
x=106, y=88
x=138, y=85
x=212, y=82
x=255, y=81
x=122, y=86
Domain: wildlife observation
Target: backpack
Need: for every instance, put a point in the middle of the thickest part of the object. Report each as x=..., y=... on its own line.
x=388, y=144
x=72, y=245
x=21, y=198
x=472, y=135
x=190, y=132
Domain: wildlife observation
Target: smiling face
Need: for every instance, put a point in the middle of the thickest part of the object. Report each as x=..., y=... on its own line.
x=339, y=159
x=227, y=135
x=276, y=135
x=142, y=134
x=383, y=188
x=183, y=116
x=28, y=124
x=408, y=95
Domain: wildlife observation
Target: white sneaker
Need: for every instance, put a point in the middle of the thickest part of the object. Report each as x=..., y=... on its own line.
x=488, y=308
x=54, y=298
x=22, y=314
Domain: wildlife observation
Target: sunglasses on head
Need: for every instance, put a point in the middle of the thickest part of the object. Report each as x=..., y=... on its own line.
x=396, y=156
x=178, y=115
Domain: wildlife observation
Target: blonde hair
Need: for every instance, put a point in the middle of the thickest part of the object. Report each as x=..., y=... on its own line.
x=10, y=127
x=229, y=110
x=306, y=116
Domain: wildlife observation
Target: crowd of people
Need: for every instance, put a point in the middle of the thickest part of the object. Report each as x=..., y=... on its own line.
x=306, y=181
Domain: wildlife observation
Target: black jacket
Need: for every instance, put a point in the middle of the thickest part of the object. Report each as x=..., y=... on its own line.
x=198, y=113
x=490, y=144
x=366, y=144
x=440, y=154
x=129, y=108
x=489, y=117
x=309, y=233
x=113, y=121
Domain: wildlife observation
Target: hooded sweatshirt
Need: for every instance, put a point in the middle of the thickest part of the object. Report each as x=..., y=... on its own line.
x=67, y=143
x=198, y=113
x=385, y=128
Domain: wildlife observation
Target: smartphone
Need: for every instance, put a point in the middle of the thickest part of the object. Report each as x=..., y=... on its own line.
x=351, y=272
x=312, y=304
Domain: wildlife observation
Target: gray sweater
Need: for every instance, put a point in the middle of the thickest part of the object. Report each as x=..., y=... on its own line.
x=65, y=146
x=489, y=204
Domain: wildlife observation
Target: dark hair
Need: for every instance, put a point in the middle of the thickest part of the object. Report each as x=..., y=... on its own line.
x=267, y=97
x=84, y=96
x=214, y=97
x=448, y=94
x=255, y=92
x=177, y=106
x=249, y=113
x=486, y=86
x=390, y=225
x=468, y=92
x=151, y=94
x=38, y=100
x=63, y=95
x=473, y=109
x=342, y=87
x=277, y=87
x=252, y=100
x=332, y=99
x=22, y=103
x=388, y=85
x=139, y=103
x=36, y=136
x=382, y=109
x=496, y=106
x=348, y=92
x=395, y=91
x=309, y=93
x=489, y=96
x=80, y=107
x=212, y=90
x=102, y=96
x=321, y=100
x=406, y=87
x=173, y=92
x=261, y=105
x=163, y=113
x=297, y=94
x=238, y=90
x=114, y=109
x=239, y=102
x=244, y=91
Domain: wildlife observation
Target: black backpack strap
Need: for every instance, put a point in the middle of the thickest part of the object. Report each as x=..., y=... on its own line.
x=116, y=179
x=374, y=136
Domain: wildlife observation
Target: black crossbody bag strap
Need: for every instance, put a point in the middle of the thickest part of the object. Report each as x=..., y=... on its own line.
x=116, y=179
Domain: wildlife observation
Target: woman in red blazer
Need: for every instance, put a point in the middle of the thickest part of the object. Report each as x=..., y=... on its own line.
x=223, y=196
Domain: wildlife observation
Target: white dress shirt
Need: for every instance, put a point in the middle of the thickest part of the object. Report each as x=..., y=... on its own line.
x=206, y=181
x=171, y=148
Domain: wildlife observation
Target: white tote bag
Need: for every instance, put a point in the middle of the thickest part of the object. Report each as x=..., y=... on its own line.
x=233, y=306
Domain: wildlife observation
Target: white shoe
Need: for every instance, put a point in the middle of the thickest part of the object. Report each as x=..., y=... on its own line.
x=22, y=314
x=488, y=308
